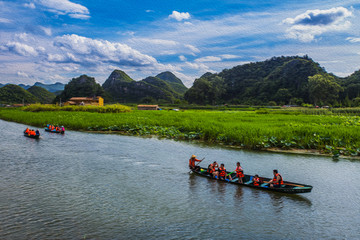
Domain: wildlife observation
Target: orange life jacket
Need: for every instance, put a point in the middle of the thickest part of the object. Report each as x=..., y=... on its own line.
x=239, y=172
x=222, y=172
x=213, y=166
x=210, y=170
x=57, y=129
x=32, y=133
x=27, y=130
x=275, y=179
x=256, y=181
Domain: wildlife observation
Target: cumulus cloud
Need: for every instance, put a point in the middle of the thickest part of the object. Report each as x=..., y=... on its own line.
x=179, y=16
x=65, y=7
x=19, y=49
x=312, y=23
x=353, y=39
x=92, y=51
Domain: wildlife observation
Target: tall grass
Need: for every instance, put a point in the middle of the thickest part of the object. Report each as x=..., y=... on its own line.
x=114, y=108
x=328, y=133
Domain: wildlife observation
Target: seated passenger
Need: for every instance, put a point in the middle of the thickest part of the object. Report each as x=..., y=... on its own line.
x=26, y=130
x=222, y=173
x=211, y=171
x=277, y=181
x=239, y=172
x=37, y=132
x=256, y=180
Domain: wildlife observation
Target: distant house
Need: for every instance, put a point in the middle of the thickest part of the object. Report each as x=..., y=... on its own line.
x=97, y=101
x=148, y=107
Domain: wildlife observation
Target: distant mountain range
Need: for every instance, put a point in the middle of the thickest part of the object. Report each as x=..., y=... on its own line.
x=56, y=87
x=280, y=80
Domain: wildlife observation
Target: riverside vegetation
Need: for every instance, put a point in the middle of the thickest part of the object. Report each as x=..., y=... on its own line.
x=324, y=130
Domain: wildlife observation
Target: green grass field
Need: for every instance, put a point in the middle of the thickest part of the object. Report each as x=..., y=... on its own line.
x=249, y=129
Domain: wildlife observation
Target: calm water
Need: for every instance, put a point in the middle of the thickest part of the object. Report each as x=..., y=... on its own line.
x=98, y=186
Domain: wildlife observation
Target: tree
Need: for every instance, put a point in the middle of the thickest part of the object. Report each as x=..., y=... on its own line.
x=323, y=89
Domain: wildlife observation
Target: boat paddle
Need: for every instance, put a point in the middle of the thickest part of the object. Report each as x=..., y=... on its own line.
x=230, y=173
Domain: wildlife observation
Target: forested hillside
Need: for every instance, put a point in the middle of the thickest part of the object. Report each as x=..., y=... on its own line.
x=165, y=87
x=277, y=81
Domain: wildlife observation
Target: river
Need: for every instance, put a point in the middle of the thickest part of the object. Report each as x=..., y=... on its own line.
x=102, y=186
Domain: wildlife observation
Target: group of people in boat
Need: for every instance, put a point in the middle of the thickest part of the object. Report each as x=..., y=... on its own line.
x=32, y=132
x=55, y=128
x=219, y=172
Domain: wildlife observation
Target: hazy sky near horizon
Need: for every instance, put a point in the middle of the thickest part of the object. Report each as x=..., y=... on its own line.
x=55, y=40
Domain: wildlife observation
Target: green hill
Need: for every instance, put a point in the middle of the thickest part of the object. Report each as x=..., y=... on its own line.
x=12, y=93
x=176, y=84
x=83, y=86
x=124, y=89
x=283, y=80
x=42, y=94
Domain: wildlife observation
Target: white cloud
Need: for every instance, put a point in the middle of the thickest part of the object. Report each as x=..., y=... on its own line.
x=20, y=49
x=92, y=51
x=64, y=7
x=229, y=56
x=22, y=74
x=30, y=5
x=179, y=16
x=157, y=47
x=353, y=39
x=4, y=20
x=208, y=59
x=149, y=11
x=312, y=23
x=182, y=58
x=47, y=31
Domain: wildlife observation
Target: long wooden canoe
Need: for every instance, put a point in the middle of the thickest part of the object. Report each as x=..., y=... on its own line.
x=54, y=131
x=31, y=136
x=287, y=187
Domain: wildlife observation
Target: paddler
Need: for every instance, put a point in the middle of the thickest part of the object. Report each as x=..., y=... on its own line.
x=192, y=165
x=277, y=181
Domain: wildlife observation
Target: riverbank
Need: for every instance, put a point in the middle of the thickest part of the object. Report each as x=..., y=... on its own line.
x=326, y=134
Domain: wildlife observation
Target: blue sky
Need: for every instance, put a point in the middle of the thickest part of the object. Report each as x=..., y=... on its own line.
x=55, y=40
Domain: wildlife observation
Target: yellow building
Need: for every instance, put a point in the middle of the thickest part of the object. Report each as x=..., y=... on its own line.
x=97, y=101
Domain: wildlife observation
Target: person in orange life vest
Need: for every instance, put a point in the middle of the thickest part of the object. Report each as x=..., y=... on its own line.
x=256, y=180
x=239, y=172
x=214, y=166
x=192, y=161
x=26, y=130
x=222, y=172
x=277, y=181
x=57, y=129
x=32, y=132
x=211, y=171
x=52, y=128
